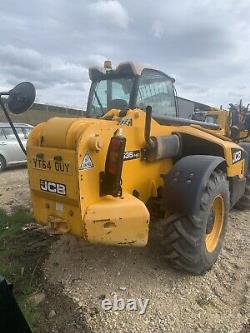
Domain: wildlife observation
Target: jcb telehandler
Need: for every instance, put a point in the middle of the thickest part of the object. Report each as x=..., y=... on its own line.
x=100, y=177
x=232, y=123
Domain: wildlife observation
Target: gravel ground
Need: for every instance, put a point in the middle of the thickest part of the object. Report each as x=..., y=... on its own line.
x=14, y=190
x=217, y=302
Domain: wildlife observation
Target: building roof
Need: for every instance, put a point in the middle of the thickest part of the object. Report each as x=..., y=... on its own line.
x=197, y=105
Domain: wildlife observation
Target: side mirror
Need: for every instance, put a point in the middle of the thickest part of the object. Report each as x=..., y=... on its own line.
x=21, y=97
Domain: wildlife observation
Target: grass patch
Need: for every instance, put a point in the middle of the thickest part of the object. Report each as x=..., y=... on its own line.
x=13, y=265
x=11, y=224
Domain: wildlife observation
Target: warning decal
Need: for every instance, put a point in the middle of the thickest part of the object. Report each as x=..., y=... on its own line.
x=87, y=162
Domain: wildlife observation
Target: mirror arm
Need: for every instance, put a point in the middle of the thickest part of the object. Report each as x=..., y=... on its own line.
x=12, y=126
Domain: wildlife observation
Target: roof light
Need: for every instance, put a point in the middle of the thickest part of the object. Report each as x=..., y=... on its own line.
x=107, y=64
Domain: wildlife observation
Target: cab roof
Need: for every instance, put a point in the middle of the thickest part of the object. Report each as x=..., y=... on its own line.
x=123, y=69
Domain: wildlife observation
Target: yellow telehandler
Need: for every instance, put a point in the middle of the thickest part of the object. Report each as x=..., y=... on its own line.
x=232, y=124
x=101, y=177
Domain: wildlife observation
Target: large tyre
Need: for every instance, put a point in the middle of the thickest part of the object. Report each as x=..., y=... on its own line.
x=193, y=243
x=2, y=163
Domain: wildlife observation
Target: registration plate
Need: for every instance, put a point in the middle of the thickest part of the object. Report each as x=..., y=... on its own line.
x=52, y=165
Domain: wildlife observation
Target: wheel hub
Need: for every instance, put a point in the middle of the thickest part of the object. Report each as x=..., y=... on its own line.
x=214, y=223
x=210, y=222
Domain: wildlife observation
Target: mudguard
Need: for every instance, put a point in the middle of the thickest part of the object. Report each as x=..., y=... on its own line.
x=186, y=181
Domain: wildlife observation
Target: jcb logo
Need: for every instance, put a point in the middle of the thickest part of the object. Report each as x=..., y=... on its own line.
x=237, y=156
x=52, y=187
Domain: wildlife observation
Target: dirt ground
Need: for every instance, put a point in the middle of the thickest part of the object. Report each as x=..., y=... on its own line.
x=80, y=275
x=14, y=189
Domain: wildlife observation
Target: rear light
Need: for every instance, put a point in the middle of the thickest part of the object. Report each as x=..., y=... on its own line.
x=111, y=178
x=114, y=160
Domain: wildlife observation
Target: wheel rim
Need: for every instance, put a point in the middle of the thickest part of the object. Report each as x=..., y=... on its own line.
x=215, y=223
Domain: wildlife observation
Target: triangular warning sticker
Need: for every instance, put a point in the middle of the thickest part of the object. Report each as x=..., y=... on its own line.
x=86, y=162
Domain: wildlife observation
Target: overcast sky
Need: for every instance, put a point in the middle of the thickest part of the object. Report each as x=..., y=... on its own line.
x=204, y=44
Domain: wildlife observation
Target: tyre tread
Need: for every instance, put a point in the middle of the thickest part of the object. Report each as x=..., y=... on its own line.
x=183, y=235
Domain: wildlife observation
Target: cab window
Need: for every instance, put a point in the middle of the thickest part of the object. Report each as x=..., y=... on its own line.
x=212, y=120
x=156, y=89
x=99, y=102
x=10, y=135
x=26, y=131
x=113, y=93
x=2, y=136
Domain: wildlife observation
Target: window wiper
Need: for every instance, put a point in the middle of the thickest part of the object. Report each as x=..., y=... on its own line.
x=99, y=102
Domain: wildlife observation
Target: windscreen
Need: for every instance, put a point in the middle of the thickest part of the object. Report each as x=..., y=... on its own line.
x=212, y=119
x=109, y=94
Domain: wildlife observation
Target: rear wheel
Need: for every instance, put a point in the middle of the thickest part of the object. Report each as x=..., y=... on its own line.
x=2, y=163
x=193, y=243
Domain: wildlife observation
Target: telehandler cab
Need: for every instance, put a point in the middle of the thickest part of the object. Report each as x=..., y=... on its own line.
x=97, y=177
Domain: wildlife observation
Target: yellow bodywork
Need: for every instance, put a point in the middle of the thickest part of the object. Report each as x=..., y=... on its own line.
x=66, y=195
x=223, y=119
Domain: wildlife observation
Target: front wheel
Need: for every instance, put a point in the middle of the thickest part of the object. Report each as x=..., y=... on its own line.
x=193, y=243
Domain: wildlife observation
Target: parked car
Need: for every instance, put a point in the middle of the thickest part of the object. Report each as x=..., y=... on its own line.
x=10, y=151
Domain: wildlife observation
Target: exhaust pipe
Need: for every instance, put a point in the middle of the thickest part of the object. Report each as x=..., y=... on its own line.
x=147, y=128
